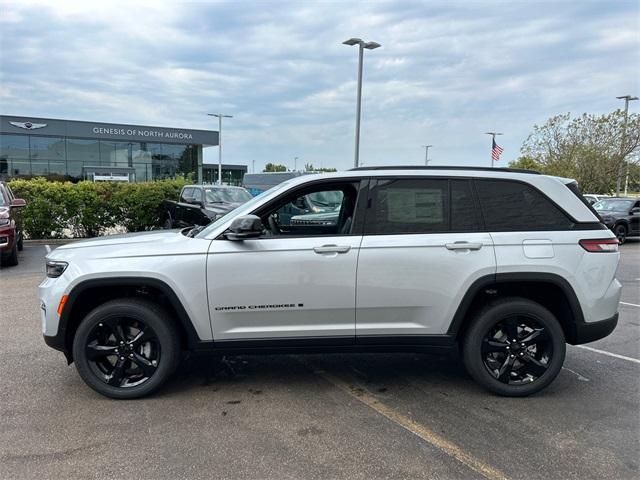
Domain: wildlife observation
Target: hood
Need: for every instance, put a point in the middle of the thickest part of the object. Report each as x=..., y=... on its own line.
x=160, y=243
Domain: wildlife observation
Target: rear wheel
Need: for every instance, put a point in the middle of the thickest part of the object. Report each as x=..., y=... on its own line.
x=167, y=224
x=620, y=232
x=126, y=348
x=21, y=241
x=515, y=347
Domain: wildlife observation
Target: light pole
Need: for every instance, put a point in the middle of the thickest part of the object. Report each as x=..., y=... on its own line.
x=493, y=141
x=220, y=117
x=361, y=46
x=253, y=166
x=426, y=154
x=627, y=99
x=295, y=164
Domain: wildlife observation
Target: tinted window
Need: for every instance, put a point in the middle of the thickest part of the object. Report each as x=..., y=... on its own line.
x=514, y=206
x=197, y=194
x=186, y=193
x=409, y=206
x=464, y=215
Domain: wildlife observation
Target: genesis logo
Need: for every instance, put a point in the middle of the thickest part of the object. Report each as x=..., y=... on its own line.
x=28, y=125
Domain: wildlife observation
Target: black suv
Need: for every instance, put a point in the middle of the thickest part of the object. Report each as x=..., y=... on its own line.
x=621, y=215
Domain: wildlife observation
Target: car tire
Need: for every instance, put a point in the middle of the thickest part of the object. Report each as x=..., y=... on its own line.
x=11, y=258
x=621, y=233
x=508, y=368
x=110, y=359
x=21, y=242
x=167, y=224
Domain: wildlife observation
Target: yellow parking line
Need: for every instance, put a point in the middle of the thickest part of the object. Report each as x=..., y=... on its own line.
x=417, y=429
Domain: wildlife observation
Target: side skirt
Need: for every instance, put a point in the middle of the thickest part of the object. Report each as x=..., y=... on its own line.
x=377, y=343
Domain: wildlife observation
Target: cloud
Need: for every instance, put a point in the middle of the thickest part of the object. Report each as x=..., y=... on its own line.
x=447, y=71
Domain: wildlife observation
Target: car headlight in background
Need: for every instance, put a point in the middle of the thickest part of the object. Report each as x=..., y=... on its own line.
x=55, y=268
x=4, y=221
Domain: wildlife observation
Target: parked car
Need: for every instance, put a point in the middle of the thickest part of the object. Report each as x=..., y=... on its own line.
x=497, y=262
x=593, y=198
x=621, y=215
x=202, y=204
x=11, y=234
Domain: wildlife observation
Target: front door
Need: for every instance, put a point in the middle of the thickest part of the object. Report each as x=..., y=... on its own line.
x=298, y=280
x=422, y=249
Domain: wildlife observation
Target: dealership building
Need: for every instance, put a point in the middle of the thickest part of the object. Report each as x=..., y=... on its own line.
x=73, y=150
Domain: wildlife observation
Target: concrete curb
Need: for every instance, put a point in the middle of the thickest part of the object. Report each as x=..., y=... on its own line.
x=52, y=241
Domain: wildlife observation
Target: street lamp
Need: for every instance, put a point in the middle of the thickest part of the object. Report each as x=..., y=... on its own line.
x=361, y=46
x=627, y=99
x=220, y=117
x=295, y=164
x=493, y=141
x=426, y=154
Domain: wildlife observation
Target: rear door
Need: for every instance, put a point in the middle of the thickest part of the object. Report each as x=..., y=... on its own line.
x=422, y=249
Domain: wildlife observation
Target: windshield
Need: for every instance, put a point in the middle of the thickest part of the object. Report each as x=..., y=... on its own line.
x=242, y=210
x=611, y=205
x=226, y=195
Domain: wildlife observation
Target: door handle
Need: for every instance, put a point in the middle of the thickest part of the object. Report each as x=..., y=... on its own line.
x=332, y=249
x=463, y=246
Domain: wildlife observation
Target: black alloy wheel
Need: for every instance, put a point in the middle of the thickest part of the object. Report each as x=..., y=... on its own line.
x=514, y=347
x=168, y=224
x=517, y=350
x=126, y=348
x=620, y=232
x=123, y=352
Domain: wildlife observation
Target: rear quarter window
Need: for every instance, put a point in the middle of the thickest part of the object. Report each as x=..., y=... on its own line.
x=514, y=206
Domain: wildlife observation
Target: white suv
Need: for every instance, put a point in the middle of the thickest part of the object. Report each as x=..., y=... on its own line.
x=506, y=265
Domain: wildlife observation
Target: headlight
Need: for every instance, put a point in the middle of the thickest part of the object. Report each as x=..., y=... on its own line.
x=55, y=269
x=4, y=221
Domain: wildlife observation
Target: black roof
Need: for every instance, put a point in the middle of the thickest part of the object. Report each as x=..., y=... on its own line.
x=444, y=167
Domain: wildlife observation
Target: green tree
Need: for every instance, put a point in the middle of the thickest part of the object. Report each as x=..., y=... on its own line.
x=589, y=148
x=526, y=163
x=274, y=167
x=308, y=167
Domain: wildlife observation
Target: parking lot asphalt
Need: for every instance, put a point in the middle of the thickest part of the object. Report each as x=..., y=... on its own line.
x=317, y=416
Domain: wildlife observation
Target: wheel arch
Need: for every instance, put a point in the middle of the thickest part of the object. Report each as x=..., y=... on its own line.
x=88, y=294
x=550, y=290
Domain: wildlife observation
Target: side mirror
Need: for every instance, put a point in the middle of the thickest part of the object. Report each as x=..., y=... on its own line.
x=635, y=211
x=18, y=202
x=245, y=226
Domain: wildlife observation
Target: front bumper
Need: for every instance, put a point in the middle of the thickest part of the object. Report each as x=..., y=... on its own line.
x=7, y=238
x=585, y=332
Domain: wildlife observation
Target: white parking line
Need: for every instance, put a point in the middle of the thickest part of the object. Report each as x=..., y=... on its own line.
x=630, y=304
x=614, y=355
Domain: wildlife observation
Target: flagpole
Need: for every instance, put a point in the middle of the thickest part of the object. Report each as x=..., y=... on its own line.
x=493, y=139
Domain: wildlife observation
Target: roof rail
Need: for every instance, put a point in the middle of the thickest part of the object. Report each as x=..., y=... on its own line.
x=444, y=167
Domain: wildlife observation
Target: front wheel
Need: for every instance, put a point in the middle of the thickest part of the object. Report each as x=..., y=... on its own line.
x=515, y=347
x=11, y=258
x=126, y=348
x=167, y=224
x=620, y=232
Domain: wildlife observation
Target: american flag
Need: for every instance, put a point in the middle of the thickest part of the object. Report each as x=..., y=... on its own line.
x=496, y=150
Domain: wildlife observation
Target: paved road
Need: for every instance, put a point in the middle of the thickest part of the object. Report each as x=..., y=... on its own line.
x=319, y=416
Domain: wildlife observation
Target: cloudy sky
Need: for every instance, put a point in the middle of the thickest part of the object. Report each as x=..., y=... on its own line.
x=446, y=72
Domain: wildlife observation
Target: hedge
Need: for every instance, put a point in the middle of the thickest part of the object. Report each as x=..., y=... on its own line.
x=88, y=209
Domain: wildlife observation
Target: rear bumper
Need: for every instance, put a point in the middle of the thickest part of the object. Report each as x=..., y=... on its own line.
x=585, y=332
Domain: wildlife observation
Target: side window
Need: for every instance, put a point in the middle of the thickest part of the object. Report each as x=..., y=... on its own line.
x=197, y=194
x=464, y=213
x=323, y=210
x=416, y=205
x=186, y=193
x=514, y=206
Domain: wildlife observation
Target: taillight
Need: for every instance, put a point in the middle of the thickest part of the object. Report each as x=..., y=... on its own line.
x=600, y=244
